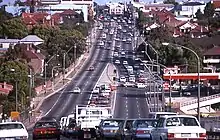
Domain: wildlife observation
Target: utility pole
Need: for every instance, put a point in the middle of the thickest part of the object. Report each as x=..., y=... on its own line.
x=64, y=63
x=16, y=96
x=30, y=84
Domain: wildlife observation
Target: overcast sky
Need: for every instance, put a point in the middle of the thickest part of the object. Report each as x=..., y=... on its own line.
x=105, y=1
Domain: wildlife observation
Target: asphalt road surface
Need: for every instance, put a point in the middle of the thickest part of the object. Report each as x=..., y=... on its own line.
x=63, y=103
x=130, y=102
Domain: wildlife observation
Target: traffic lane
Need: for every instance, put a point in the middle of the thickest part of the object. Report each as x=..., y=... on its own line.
x=120, y=104
x=85, y=86
x=49, y=102
x=60, y=107
x=90, y=82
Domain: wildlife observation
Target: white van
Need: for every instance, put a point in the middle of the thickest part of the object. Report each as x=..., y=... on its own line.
x=130, y=69
x=156, y=115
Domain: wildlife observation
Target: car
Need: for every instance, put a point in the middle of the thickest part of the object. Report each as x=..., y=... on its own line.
x=124, y=132
x=76, y=90
x=128, y=84
x=96, y=90
x=91, y=68
x=72, y=130
x=142, y=128
x=125, y=62
x=178, y=127
x=46, y=129
x=13, y=130
x=124, y=39
x=101, y=43
x=109, y=128
x=129, y=39
x=115, y=54
x=140, y=85
x=131, y=79
x=122, y=79
x=157, y=115
x=117, y=61
x=124, y=31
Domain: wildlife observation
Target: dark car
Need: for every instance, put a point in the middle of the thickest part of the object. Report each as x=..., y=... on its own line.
x=91, y=68
x=46, y=129
x=124, y=132
x=72, y=130
x=192, y=90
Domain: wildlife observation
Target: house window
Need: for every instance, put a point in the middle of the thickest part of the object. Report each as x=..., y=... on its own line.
x=1, y=46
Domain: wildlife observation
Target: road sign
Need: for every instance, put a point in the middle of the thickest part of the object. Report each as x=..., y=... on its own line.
x=15, y=115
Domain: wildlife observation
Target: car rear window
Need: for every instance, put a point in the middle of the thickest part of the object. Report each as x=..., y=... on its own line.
x=143, y=123
x=11, y=126
x=45, y=124
x=181, y=121
x=111, y=123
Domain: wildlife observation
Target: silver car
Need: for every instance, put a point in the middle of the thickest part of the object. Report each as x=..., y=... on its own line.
x=142, y=128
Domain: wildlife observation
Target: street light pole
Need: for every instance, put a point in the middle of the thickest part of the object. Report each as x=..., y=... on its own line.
x=198, y=75
x=170, y=96
x=16, y=96
x=53, y=76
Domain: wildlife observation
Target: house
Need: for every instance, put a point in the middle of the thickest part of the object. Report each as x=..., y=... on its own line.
x=34, y=58
x=216, y=5
x=151, y=26
x=189, y=8
x=211, y=58
x=5, y=88
x=157, y=7
x=43, y=18
x=116, y=8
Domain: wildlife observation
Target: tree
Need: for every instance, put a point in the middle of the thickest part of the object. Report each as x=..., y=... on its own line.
x=209, y=10
x=12, y=71
x=14, y=28
x=170, y=2
x=199, y=14
x=19, y=3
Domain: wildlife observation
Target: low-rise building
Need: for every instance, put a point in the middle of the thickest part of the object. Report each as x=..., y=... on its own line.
x=211, y=58
x=116, y=8
x=5, y=88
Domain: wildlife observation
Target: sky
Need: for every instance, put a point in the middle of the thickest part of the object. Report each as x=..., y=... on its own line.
x=105, y=1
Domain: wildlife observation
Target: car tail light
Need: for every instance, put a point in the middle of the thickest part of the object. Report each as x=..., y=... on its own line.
x=140, y=132
x=170, y=135
x=52, y=129
x=202, y=135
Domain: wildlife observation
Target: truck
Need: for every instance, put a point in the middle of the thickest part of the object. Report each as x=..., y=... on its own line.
x=89, y=117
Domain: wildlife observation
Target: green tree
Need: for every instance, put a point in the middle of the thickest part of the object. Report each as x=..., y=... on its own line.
x=209, y=10
x=14, y=28
x=19, y=3
x=10, y=72
x=199, y=14
x=170, y=2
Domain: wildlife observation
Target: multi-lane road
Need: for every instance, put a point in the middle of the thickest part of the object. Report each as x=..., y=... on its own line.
x=130, y=102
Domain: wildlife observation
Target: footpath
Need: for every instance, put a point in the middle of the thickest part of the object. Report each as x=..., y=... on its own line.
x=58, y=84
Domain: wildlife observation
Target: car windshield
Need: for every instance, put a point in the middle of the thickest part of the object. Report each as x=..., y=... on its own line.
x=111, y=123
x=11, y=126
x=143, y=123
x=45, y=124
x=181, y=121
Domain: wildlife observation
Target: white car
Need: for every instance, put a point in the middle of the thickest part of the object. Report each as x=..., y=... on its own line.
x=101, y=43
x=117, y=62
x=178, y=127
x=76, y=90
x=125, y=62
x=129, y=40
x=13, y=130
x=131, y=79
x=129, y=84
x=115, y=54
x=140, y=85
x=124, y=40
x=122, y=79
x=95, y=90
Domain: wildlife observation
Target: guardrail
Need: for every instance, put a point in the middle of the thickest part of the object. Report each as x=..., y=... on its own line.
x=213, y=135
x=194, y=101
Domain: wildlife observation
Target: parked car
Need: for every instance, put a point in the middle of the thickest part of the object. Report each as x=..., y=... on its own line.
x=46, y=128
x=91, y=68
x=191, y=90
x=178, y=127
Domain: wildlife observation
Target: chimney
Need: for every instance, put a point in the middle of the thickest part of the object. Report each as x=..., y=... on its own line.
x=201, y=29
x=4, y=85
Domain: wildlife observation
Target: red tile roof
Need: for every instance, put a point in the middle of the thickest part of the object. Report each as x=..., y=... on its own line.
x=68, y=12
x=200, y=29
x=213, y=51
x=5, y=88
x=216, y=3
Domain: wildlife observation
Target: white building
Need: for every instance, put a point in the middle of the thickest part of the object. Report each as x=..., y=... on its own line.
x=189, y=9
x=116, y=8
